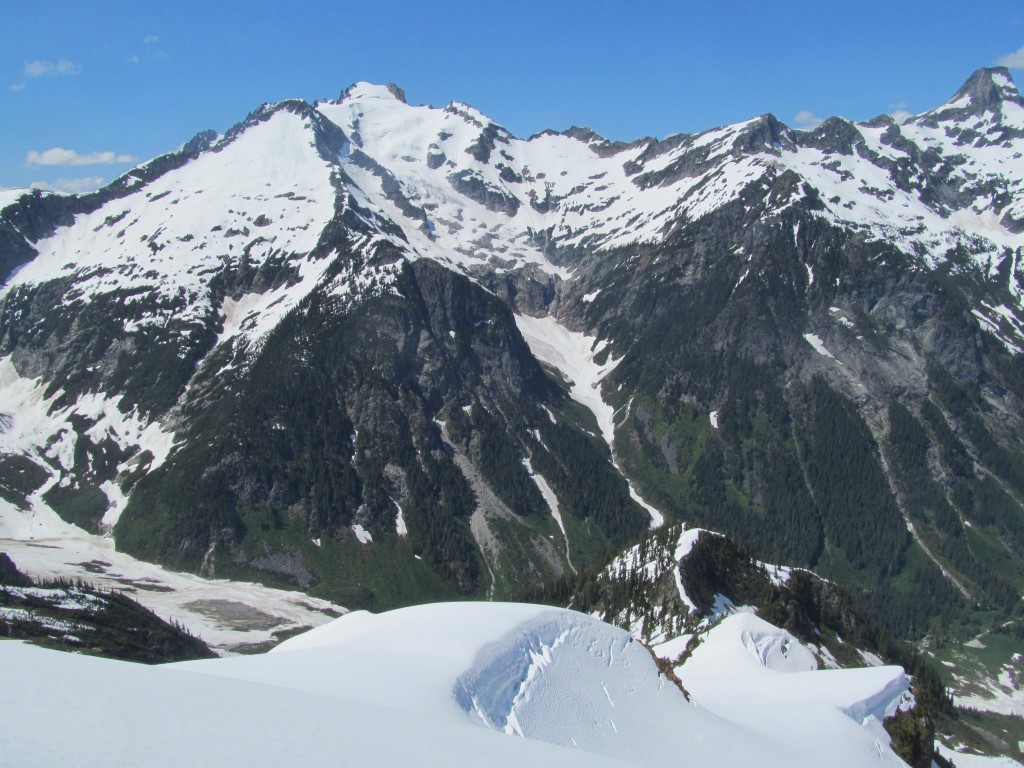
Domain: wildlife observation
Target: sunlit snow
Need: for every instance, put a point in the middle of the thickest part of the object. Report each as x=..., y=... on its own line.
x=447, y=685
x=572, y=354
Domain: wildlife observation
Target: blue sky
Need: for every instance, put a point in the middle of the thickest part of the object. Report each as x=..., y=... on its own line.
x=88, y=88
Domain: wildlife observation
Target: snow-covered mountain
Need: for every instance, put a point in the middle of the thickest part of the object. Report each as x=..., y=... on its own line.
x=452, y=684
x=326, y=350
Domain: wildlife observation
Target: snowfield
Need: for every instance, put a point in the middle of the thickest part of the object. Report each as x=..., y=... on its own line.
x=444, y=685
x=752, y=673
x=572, y=354
x=227, y=615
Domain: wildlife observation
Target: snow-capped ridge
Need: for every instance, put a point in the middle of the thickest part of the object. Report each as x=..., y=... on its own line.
x=836, y=134
x=410, y=687
x=987, y=101
x=364, y=90
x=986, y=89
x=11, y=196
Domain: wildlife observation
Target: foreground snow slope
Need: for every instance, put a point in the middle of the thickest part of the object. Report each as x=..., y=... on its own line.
x=750, y=672
x=446, y=684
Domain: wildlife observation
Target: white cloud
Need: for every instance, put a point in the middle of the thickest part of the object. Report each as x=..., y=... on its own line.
x=71, y=186
x=150, y=39
x=132, y=59
x=806, y=119
x=50, y=68
x=901, y=115
x=61, y=156
x=1013, y=60
x=15, y=87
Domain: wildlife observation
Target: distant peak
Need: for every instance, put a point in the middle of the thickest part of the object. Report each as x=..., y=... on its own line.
x=200, y=142
x=586, y=135
x=468, y=112
x=986, y=89
x=363, y=90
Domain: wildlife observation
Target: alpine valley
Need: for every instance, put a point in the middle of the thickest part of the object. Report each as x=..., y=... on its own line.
x=367, y=354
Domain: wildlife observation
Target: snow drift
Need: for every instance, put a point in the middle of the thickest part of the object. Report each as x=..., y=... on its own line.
x=446, y=684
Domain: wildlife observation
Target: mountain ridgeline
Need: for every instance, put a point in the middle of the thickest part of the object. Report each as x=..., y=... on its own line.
x=307, y=351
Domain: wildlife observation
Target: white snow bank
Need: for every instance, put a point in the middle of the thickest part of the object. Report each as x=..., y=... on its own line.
x=819, y=346
x=572, y=354
x=434, y=685
x=11, y=196
x=749, y=672
x=571, y=680
x=167, y=716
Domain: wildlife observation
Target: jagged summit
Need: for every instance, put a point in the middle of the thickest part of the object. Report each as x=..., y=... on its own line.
x=582, y=133
x=986, y=93
x=987, y=89
x=365, y=90
x=987, y=111
x=346, y=306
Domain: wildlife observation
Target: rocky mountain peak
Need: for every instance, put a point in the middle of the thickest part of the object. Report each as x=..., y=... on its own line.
x=397, y=92
x=761, y=133
x=201, y=142
x=835, y=135
x=987, y=110
x=987, y=89
x=820, y=285
x=586, y=135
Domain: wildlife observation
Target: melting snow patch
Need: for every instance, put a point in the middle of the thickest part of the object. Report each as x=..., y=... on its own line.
x=116, y=502
x=967, y=760
x=552, y=502
x=573, y=355
x=362, y=535
x=400, y=527
x=778, y=574
x=871, y=659
x=819, y=347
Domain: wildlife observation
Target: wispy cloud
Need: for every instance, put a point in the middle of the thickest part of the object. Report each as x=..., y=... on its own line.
x=806, y=119
x=148, y=54
x=50, y=68
x=71, y=186
x=899, y=112
x=15, y=87
x=1013, y=60
x=61, y=156
x=151, y=39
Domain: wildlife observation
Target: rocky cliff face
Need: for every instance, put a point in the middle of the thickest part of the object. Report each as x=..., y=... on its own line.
x=291, y=352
